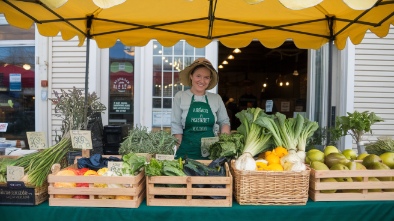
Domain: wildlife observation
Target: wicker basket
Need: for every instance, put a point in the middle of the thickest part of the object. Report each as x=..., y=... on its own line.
x=270, y=187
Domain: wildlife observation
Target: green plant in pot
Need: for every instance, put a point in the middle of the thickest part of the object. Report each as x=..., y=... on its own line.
x=319, y=138
x=356, y=124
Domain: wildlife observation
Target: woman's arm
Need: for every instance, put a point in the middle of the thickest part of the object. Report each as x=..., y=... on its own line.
x=179, y=138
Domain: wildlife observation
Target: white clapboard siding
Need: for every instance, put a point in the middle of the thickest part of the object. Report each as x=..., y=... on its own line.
x=67, y=71
x=374, y=82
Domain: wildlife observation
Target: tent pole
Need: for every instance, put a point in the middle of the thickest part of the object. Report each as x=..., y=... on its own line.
x=88, y=36
x=329, y=102
x=85, y=114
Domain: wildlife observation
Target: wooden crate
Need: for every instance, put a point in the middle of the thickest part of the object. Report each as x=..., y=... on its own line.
x=270, y=187
x=16, y=193
x=350, y=191
x=136, y=189
x=182, y=191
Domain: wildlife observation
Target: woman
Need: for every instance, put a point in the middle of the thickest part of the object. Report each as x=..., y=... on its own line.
x=195, y=112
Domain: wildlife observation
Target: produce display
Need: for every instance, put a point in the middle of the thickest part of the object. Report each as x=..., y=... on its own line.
x=332, y=159
x=264, y=132
x=189, y=182
x=132, y=165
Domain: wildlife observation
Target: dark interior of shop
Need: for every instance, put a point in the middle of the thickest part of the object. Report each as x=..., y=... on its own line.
x=257, y=66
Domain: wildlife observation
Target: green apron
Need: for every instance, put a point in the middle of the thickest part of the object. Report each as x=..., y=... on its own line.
x=199, y=123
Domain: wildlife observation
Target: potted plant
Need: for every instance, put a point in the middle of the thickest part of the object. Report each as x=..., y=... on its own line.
x=356, y=124
x=319, y=138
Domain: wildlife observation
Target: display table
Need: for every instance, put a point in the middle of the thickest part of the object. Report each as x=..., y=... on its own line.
x=335, y=211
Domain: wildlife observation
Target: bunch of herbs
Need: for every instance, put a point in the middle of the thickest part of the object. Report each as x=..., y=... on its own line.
x=140, y=140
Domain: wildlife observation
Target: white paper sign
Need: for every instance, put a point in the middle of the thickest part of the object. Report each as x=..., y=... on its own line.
x=164, y=157
x=115, y=166
x=3, y=127
x=36, y=140
x=15, y=173
x=206, y=143
x=269, y=104
x=81, y=139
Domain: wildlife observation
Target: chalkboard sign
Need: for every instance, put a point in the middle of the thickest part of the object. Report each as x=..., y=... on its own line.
x=16, y=193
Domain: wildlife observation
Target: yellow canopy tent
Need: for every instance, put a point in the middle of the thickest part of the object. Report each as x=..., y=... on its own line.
x=235, y=23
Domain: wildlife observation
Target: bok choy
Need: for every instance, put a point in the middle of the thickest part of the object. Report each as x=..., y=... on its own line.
x=256, y=137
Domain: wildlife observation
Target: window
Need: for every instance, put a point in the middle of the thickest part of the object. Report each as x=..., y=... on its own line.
x=17, y=77
x=121, y=84
x=167, y=63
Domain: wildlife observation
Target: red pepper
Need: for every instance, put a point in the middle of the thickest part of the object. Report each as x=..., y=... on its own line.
x=82, y=171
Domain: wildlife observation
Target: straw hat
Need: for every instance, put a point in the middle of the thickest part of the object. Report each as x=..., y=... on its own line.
x=184, y=75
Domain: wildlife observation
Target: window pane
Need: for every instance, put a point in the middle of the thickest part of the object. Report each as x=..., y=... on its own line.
x=178, y=48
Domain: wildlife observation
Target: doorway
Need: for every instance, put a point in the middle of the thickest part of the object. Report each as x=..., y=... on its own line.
x=278, y=74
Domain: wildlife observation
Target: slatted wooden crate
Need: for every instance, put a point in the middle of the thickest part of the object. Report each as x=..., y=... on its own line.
x=184, y=191
x=351, y=191
x=135, y=189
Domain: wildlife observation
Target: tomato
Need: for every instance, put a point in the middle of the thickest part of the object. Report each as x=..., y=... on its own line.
x=82, y=171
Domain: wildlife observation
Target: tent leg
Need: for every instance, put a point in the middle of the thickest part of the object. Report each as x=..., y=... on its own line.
x=329, y=102
x=86, y=80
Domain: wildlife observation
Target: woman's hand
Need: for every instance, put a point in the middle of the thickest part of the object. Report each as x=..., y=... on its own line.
x=225, y=129
x=179, y=138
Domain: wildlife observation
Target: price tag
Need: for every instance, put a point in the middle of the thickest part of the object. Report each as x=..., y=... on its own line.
x=206, y=142
x=15, y=173
x=81, y=139
x=36, y=140
x=164, y=157
x=115, y=166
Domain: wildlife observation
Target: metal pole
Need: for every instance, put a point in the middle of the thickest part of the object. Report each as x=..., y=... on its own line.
x=85, y=114
x=329, y=102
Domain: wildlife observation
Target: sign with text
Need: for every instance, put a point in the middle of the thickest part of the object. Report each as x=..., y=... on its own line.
x=164, y=157
x=269, y=104
x=15, y=173
x=81, y=139
x=285, y=106
x=115, y=166
x=3, y=127
x=36, y=140
x=15, y=82
x=206, y=142
x=121, y=107
x=16, y=193
x=161, y=118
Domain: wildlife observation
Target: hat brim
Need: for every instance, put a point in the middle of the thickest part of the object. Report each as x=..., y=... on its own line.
x=184, y=75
